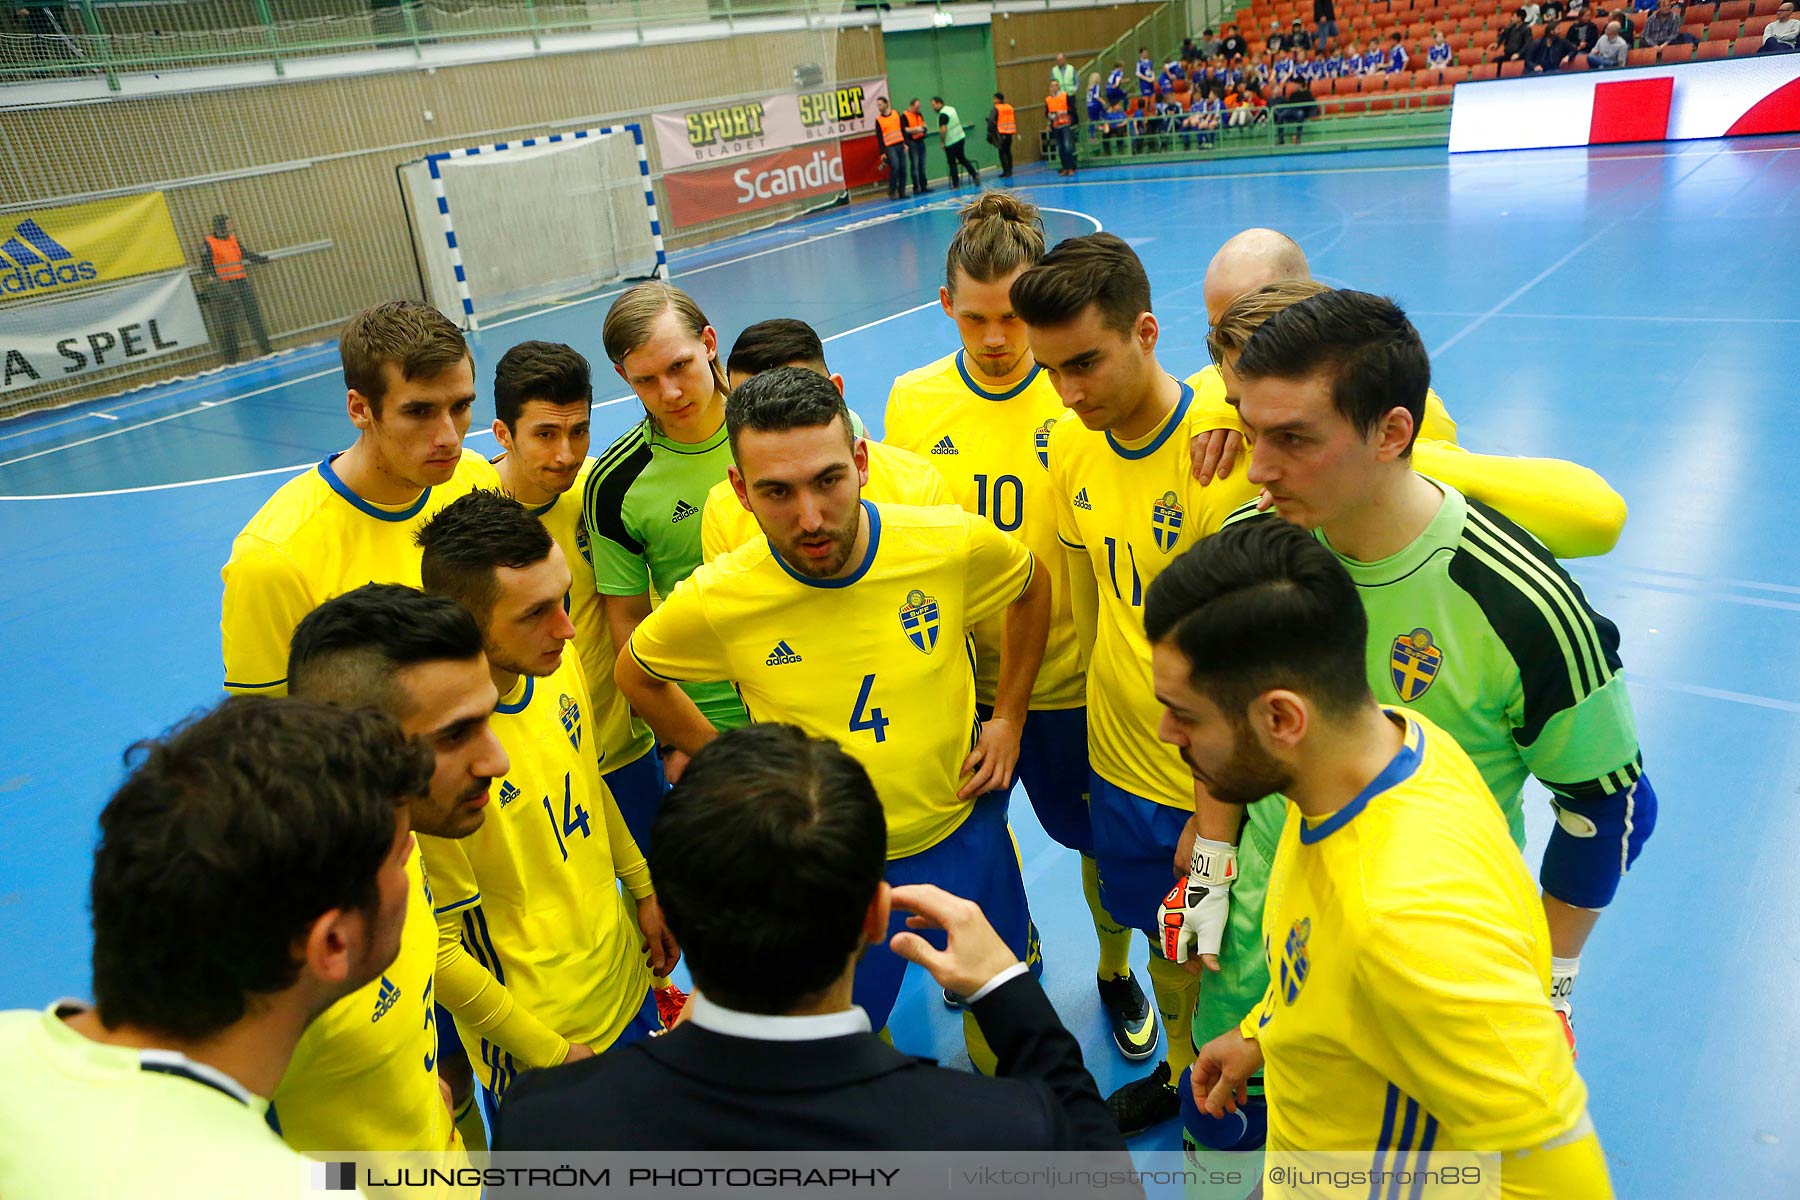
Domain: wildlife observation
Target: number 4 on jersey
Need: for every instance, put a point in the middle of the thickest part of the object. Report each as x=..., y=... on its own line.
x=865, y=717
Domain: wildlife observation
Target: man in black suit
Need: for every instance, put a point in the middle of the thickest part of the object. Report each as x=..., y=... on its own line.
x=768, y=859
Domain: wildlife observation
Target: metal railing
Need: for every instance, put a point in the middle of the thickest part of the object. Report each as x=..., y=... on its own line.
x=1160, y=33
x=1415, y=118
x=61, y=38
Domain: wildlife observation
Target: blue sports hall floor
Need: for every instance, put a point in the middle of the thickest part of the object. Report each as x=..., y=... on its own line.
x=1636, y=309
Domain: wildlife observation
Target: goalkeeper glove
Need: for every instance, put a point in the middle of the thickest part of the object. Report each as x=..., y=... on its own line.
x=1192, y=916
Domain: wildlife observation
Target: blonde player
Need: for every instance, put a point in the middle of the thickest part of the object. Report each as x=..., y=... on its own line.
x=543, y=412
x=1126, y=502
x=351, y=519
x=849, y=620
x=983, y=416
x=1407, y=1011
x=896, y=476
x=533, y=890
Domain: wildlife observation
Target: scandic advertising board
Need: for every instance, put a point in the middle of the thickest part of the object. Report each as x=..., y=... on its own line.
x=749, y=184
x=692, y=137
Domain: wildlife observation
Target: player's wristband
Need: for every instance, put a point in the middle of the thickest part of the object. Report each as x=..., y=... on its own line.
x=1192, y=916
x=1213, y=863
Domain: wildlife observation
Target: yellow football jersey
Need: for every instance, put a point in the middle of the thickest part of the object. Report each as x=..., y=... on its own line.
x=534, y=887
x=619, y=739
x=312, y=540
x=1209, y=393
x=1131, y=507
x=364, y=1076
x=877, y=660
x=1409, y=966
x=993, y=448
x=896, y=476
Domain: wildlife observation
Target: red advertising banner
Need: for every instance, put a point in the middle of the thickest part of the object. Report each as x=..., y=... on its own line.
x=749, y=184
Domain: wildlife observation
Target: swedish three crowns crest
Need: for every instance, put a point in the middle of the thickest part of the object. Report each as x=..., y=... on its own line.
x=919, y=617
x=1040, y=438
x=1165, y=522
x=1413, y=662
x=571, y=718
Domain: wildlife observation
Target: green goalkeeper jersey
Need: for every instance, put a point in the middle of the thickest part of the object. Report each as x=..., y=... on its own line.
x=1477, y=626
x=642, y=508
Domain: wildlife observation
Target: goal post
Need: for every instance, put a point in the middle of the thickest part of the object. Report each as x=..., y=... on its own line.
x=536, y=219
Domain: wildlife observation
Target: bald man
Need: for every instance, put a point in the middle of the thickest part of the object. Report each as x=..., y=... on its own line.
x=1247, y=261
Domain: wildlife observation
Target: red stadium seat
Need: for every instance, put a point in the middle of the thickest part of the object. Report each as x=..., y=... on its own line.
x=1512, y=70
x=1437, y=98
x=1696, y=22
x=1717, y=49
x=1484, y=71
x=1470, y=56
x=1381, y=104
x=1676, y=54
x=1346, y=85
x=1458, y=42
x=1454, y=75
x=1642, y=58
x=1733, y=10
x=1746, y=46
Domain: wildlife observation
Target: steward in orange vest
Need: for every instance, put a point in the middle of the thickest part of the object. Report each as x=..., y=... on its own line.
x=223, y=258
x=1002, y=124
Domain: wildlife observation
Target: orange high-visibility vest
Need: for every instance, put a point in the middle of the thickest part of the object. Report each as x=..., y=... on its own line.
x=890, y=129
x=1058, y=107
x=915, y=124
x=1004, y=118
x=228, y=257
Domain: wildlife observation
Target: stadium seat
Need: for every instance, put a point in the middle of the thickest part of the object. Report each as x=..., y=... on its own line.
x=1696, y=22
x=1733, y=10
x=1470, y=56
x=1459, y=42
x=1454, y=75
x=1642, y=58
x=1381, y=104
x=1512, y=70
x=1346, y=85
x=1437, y=98
x=1676, y=54
x=1484, y=71
x=1419, y=31
x=1746, y=46
x=1715, y=49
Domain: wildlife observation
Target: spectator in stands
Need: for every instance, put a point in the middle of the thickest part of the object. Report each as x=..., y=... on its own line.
x=1610, y=50
x=1146, y=74
x=1583, y=32
x=1201, y=123
x=1117, y=124
x=1550, y=12
x=1397, y=58
x=1207, y=47
x=1298, y=38
x=1663, y=28
x=1439, y=55
x=1374, y=59
x=1283, y=68
x=1275, y=41
x=1096, y=104
x=1312, y=68
x=1325, y=26
x=1514, y=39
x=1234, y=46
x=1533, y=12
x=1627, y=26
x=1293, y=106
x=1552, y=52
x=1782, y=35
x=1644, y=6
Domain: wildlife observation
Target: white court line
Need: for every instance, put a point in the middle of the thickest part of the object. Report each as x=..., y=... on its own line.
x=1493, y=312
x=187, y=483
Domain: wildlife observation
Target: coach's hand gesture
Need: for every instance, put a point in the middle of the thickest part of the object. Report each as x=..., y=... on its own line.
x=975, y=954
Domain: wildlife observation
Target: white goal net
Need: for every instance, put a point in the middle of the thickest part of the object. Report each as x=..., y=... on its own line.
x=508, y=226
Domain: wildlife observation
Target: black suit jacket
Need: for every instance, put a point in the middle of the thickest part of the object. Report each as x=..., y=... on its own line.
x=694, y=1089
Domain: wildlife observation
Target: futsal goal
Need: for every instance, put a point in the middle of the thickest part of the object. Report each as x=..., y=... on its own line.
x=514, y=224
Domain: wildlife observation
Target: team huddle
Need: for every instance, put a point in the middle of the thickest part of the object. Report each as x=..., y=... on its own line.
x=1265, y=646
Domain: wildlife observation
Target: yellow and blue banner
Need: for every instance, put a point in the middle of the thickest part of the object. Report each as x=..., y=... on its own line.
x=47, y=253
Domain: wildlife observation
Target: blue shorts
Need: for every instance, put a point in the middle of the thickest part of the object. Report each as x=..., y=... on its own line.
x=1134, y=847
x=977, y=862
x=638, y=786
x=646, y=1021
x=1053, y=768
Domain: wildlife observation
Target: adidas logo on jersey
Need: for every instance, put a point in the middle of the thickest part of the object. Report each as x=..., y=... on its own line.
x=385, y=998
x=782, y=655
x=944, y=446
x=508, y=793
x=1081, y=500
x=683, y=510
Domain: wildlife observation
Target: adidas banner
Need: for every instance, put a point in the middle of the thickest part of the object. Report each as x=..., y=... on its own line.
x=51, y=252
x=691, y=137
x=98, y=330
